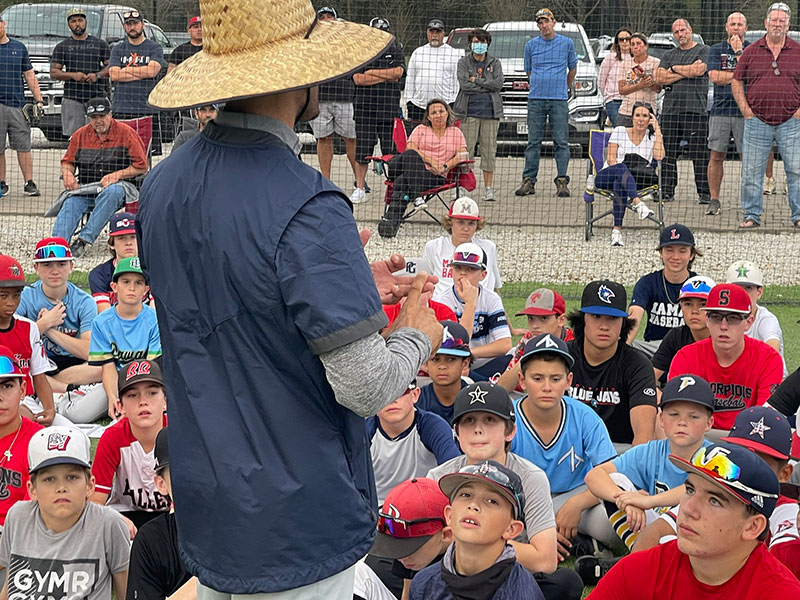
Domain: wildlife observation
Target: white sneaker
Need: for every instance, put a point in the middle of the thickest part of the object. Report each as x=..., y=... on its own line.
x=616, y=238
x=358, y=196
x=642, y=210
x=488, y=194
x=769, y=186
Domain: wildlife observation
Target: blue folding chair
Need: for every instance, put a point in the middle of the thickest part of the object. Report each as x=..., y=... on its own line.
x=598, y=146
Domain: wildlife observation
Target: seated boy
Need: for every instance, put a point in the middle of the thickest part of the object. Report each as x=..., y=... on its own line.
x=643, y=480
x=124, y=462
x=122, y=243
x=156, y=570
x=127, y=331
x=479, y=310
x=58, y=545
x=485, y=513
x=565, y=438
x=445, y=369
x=407, y=443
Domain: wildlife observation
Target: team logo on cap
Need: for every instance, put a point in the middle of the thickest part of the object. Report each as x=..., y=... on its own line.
x=478, y=395
x=135, y=262
x=674, y=235
x=137, y=368
x=605, y=294
x=758, y=501
x=393, y=511
x=759, y=428
x=57, y=441
x=463, y=208
x=686, y=382
x=534, y=297
x=696, y=283
x=484, y=468
x=14, y=269
x=125, y=222
x=742, y=271
x=548, y=342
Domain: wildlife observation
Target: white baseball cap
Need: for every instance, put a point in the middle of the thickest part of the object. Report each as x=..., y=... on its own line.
x=745, y=272
x=58, y=445
x=464, y=208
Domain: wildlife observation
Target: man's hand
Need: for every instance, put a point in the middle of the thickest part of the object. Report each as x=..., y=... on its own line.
x=78, y=76
x=70, y=182
x=747, y=113
x=419, y=317
x=736, y=43
x=90, y=77
x=393, y=288
x=567, y=519
x=109, y=179
x=647, y=81
x=45, y=417
x=52, y=317
x=796, y=115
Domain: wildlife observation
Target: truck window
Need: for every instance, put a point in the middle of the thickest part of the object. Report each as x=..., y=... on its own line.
x=26, y=20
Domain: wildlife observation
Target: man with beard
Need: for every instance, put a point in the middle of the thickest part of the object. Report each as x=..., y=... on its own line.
x=81, y=61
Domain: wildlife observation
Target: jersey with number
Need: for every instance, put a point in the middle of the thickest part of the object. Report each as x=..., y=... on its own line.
x=438, y=254
x=123, y=340
x=23, y=339
x=580, y=444
x=659, y=299
x=749, y=381
x=649, y=468
x=124, y=471
x=14, y=466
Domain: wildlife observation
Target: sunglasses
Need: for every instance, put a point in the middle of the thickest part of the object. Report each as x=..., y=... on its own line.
x=131, y=14
x=468, y=257
x=100, y=109
x=8, y=368
x=53, y=252
x=731, y=318
x=403, y=528
x=624, y=39
x=497, y=476
x=455, y=344
x=777, y=71
x=720, y=466
x=699, y=288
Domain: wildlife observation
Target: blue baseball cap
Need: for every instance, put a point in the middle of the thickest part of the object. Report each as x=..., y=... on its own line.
x=455, y=339
x=762, y=429
x=547, y=343
x=605, y=297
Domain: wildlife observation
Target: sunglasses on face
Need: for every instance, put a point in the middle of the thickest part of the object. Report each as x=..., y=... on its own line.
x=56, y=252
x=731, y=318
x=8, y=367
x=624, y=39
x=403, y=528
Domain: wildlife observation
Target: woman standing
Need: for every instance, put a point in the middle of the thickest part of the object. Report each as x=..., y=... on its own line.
x=638, y=82
x=611, y=72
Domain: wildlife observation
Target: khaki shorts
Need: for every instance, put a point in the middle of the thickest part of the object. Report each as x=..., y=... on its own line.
x=14, y=125
x=334, y=117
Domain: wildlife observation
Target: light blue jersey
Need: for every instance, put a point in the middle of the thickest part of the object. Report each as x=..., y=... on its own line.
x=580, y=444
x=648, y=467
x=124, y=340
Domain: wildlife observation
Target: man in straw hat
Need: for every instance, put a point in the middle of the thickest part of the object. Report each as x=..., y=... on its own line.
x=269, y=313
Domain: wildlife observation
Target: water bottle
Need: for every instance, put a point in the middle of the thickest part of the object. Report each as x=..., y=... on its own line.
x=590, y=183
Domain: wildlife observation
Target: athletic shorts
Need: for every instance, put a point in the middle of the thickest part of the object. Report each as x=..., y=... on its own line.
x=334, y=117
x=720, y=130
x=73, y=116
x=64, y=362
x=14, y=125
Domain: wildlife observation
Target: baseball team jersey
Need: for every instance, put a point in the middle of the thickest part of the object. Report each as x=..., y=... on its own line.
x=664, y=572
x=81, y=310
x=124, y=471
x=659, y=298
x=614, y=387
x=429, y=402
x=490, y=318
x=767, y=327
x=438, y=254
x=749, y=381
x=783, y=522
x=427, y=443
x=124, y=340
x=14, y=468
x=580, y=444
x=23, y=339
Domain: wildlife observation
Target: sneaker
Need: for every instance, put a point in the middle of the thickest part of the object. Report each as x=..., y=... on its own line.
x=31, y=189
x=713, y=207
x=769, y=186
x=367, y=189
x=78, y=247
x=418, y=205
x=528, y=188
x=591, y=568
x=562, y=191
x=642, y=210
x=390, y=222
x=703, y=200
x=616, y=238
x=3, y=188
x=668, y=198
x=358, y=196
x=488, y=194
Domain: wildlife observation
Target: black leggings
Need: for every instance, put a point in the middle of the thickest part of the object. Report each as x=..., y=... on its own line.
x=410, y=177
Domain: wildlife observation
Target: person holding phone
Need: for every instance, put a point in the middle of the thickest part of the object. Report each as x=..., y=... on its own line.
x=638, y=83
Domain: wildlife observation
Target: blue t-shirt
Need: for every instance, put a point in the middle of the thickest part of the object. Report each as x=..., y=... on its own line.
x=81, y=310
x=649, y=469
x=14, y=61
x=428, y=401
x=124, y=340
x=581, y=443
x=721, y=57
x=548, y=62
x=659, y=298
x=130, y=97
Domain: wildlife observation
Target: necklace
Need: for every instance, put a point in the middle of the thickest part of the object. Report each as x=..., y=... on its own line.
x=666, y=291
x=7, y=454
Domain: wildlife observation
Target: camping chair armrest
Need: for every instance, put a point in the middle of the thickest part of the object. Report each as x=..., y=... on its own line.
x=460, y=166
x=384, y=158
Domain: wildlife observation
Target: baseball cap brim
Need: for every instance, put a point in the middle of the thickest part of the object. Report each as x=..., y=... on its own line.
x=692, y=400
x=702, y=296
x=122, y=232
x=754, y=445
x=726, y=309
x=451, y=483
x=541, y=312
x=453, y=352
x=61, y=460
x=609, y=311
x=140, y=380
x=468, y=264
x=11, y=283
x=386, y=546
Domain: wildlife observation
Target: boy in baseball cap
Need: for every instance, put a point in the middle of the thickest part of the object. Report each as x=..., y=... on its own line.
x=122, y=244
x=445, y=369
x=72, y=547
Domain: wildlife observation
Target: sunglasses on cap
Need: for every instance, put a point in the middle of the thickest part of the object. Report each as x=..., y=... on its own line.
x=720, y=466
x=402, y=528
x=8, y=368
x=468, y=257
x=131, y=14
x=455, y=344
x=54, y=251
x=731, y=318
x=101, y=109
x=493, y=474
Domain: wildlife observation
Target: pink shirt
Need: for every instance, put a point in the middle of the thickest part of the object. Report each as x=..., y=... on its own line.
x=441, y=149
x=610, y=74
x=649, y=66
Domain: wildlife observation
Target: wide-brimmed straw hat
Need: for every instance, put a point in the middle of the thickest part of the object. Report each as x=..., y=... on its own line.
x=264, y=47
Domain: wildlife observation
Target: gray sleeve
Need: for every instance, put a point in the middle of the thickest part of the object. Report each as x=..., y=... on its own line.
x=539, y=514
x=369, y=373
x=117, y=541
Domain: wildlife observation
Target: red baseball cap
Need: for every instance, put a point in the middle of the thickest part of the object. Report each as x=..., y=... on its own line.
x=728, y=297
x=11, y=273
x=52, y=249
x=195, y=21
x=544, y=302
x=412, y=513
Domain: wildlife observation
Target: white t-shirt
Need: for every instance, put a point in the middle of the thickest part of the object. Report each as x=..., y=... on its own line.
x=438, y=254
x=432, y=74
x=625, y=146
x=767, y=327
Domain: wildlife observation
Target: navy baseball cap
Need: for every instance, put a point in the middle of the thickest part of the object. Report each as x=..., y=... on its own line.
x=688, y=388
x=121, y=223
x=676, y=235
x=736, y=470
x=492, y=473
x=436, y=24
x=547, y=343
x=161, y=450
x=605, y=297
x=762, y=429
x=483, y=397
x=455, y=339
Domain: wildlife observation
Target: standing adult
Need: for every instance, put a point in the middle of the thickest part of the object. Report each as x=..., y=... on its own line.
x=190, y=48
x=81, y=62
x=550, y=64
x=480, y=77
x=431, y=72
x=134, y=65
x=770, y=70
x=682, y=72
x=725, y=119
x=264, y=323
x=611, y=71
x=638, y=81
x=15, y=66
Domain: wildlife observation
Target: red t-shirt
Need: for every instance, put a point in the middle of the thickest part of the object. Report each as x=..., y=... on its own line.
x=14, y=471
x=749, y=381
x=442, y=311
x=664, y=572
x=789, y=554
x=23, y=339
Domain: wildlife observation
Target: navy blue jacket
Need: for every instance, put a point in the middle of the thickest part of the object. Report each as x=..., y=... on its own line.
x=429, y=585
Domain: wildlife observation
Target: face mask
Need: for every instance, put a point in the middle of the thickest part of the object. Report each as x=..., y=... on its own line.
x=479, y=48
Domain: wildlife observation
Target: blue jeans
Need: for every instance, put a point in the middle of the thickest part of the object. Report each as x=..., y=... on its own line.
x=618, y=178
x=107, y=202
x=612, y=110
x=538, y=113
x=757, y=145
